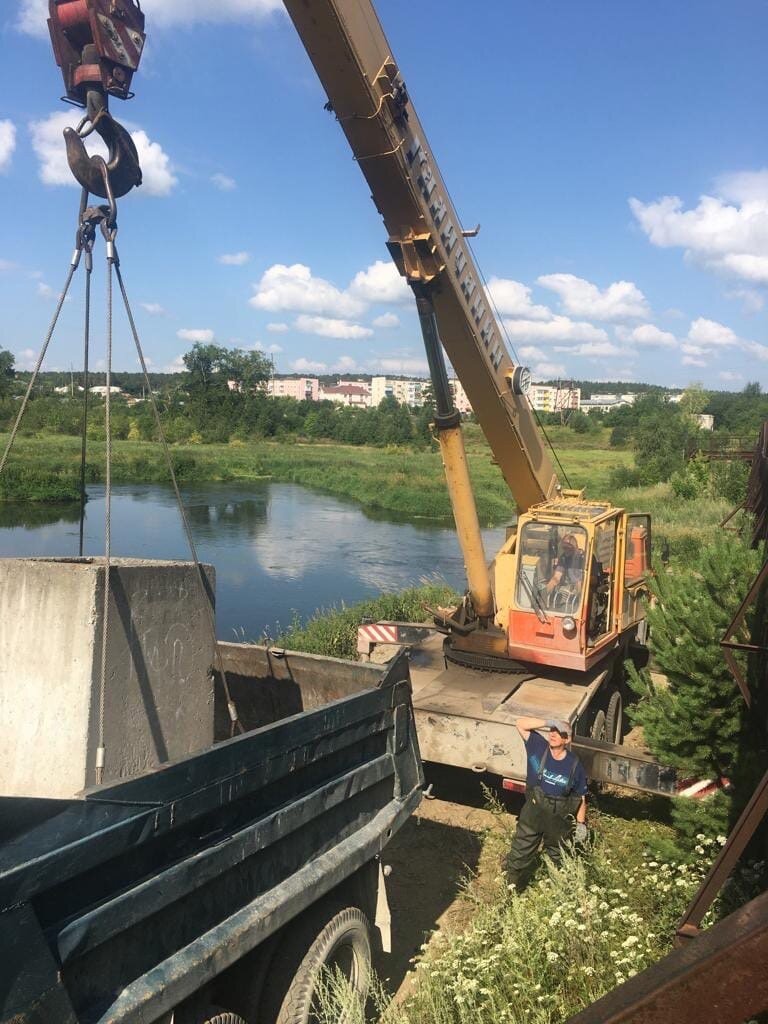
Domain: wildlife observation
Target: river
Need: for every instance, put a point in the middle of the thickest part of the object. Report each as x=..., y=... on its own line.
x=279, y=550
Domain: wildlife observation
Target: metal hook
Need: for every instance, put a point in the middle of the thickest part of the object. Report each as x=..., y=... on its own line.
x=121, y=171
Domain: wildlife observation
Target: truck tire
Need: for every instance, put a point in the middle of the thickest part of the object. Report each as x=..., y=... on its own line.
x=598, y=730
x=316, y=942
x=614, y=718
x=215, y=1016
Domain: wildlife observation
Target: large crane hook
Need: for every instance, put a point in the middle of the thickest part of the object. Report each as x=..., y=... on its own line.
x=122, y=163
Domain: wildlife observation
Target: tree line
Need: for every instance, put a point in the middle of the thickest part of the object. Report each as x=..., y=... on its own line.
x=199, y=406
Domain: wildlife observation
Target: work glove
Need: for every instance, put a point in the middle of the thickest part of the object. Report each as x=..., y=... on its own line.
x=581, y=834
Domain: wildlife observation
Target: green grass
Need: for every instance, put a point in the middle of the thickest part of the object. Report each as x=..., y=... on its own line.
x=333, y=631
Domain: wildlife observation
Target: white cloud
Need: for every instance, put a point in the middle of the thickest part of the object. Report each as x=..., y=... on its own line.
x=727, y=232
x=223, y=182
x=7, y=265
x=329, y=327
x=48, y=144
x=153, y=308
x=707, y=338
x=531, y=352
x=176, y=366
x=294, y=288
x=308, y=366
x=512, y=298
x=381, y=282
x=234, y=259
x=345, y=364
x=387, y=320
x=194, y=334
x=26, y=359
x=159, y=179
x=711, y=334
x=164, y=13
x=752, y=301
x=592, y=349
x=560, y=329
x=7, y=144
x=647, y=336
x=269, y=349
x=744, y=186
x=404, y=365
x=548, y=371
x=621, y=300
x=278, y=328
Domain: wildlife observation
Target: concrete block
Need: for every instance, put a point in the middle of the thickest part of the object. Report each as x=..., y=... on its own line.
x=158, y=701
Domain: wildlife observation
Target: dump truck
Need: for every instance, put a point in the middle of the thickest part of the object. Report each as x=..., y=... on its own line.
x=215, y=889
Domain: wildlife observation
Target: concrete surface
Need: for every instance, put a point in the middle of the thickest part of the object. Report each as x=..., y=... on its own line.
x=159, y=691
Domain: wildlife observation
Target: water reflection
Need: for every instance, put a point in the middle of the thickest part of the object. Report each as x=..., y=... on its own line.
x=32, y=516
x=279, y=550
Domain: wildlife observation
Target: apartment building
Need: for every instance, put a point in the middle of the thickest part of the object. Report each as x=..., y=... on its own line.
x=405, y=391
x=301, y=388
x=460, y=399
x=546, y=398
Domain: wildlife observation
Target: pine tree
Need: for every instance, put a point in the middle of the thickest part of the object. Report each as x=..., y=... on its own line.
x=698, y=722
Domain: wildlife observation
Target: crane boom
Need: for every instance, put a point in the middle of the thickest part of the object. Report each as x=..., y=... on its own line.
x=351, y=55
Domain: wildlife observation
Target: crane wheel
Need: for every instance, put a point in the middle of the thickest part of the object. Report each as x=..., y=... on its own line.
x=614, y=718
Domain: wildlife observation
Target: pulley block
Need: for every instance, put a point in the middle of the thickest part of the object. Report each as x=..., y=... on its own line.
x=97, y=44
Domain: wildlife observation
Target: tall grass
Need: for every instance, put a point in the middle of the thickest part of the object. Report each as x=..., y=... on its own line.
x=333, y=631
x=538, y=958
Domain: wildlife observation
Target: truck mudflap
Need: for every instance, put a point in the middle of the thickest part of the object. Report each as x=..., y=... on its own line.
x=116, y=907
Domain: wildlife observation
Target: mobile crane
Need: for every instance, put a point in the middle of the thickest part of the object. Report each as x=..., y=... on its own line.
x=562, y=602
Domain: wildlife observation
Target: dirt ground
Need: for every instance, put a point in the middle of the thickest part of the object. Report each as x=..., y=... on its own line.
x=431, y=858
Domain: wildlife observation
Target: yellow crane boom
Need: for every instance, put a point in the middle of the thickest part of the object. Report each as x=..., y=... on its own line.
x=351, y=55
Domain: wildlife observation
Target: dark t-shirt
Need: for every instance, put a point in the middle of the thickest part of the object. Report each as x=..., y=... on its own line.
x=556, y=774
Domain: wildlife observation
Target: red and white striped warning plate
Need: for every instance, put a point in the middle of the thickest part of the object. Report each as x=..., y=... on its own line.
x=378, y=633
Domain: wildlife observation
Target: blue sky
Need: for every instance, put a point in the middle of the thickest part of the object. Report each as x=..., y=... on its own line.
x=614, y=153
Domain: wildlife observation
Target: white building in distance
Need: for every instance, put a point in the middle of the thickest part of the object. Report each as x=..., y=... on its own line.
x=606, y=403
x=546, y=398
x=357, y=395
x=460, y=399
x=303, y=389
x=406, y=391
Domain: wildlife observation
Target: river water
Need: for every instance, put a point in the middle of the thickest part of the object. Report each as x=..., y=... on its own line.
x=279, y=550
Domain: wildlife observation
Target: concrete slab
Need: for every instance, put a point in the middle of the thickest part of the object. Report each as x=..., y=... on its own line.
x=159, y=692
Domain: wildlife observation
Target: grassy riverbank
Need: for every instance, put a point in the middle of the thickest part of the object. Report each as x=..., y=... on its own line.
x=395, y=481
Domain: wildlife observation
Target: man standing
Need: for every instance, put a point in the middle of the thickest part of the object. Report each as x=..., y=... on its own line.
x=556, y=792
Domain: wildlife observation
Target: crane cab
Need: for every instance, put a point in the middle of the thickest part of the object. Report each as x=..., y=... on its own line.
x=574, y=583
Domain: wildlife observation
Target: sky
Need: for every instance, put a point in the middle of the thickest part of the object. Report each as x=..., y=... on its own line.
x=614, y=154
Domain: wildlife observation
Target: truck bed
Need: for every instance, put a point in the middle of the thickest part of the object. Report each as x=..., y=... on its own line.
x=464, y=717
x=117, y=906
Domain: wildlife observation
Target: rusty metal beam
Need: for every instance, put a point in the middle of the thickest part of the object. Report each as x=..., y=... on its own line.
x=726, y=860
x=720, y=977
x=729, y=644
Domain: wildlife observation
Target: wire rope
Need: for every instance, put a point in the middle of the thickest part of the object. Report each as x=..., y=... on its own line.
x=236, y=724
x=86, y=347
x=101, y=751
x=33, y=380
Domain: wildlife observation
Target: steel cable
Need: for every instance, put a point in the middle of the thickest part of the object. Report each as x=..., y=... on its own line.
x=236, y=724
x=86, y=347
x=33, y=380
x=101, y=752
